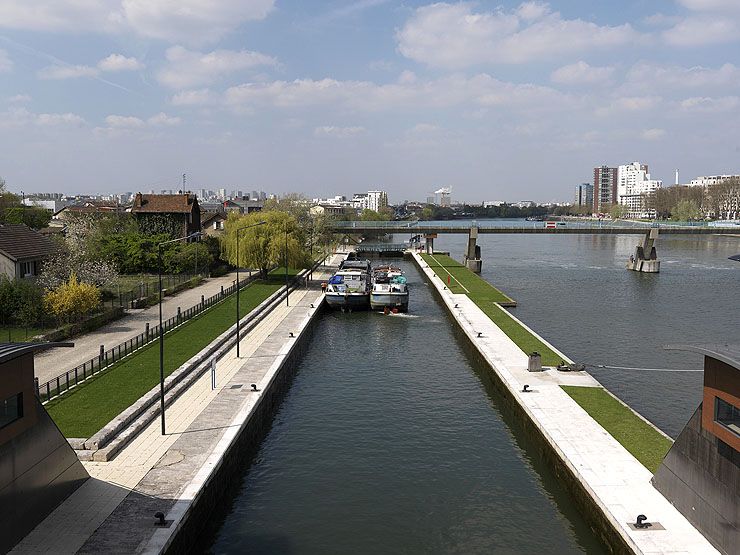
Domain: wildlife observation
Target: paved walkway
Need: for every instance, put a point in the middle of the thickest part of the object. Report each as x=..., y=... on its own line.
x=113, y=511
x=49, y=364
x=616, y=480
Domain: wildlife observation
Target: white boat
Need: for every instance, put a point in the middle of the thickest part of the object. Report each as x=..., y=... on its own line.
x=349, y=288
x=390, y=290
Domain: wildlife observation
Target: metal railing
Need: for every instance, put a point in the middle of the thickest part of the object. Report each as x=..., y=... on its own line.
x=147, y=289
x=64, y=382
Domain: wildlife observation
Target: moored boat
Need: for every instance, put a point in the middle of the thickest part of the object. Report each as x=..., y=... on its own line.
x=349, y=288
x=390, y=289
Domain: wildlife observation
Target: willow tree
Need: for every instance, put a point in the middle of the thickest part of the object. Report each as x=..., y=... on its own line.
x=263, y=246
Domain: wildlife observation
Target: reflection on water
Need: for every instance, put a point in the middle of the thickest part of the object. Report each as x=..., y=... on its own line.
x=574, y=290
x=390, y=440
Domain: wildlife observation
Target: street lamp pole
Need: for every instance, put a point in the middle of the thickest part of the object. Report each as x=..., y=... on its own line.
x=287, y=301
x=161, y=326
x=237, y=279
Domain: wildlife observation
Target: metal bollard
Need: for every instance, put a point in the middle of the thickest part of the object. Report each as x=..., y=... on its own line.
x=146, y=332
x=178, y=314
x=213, y=374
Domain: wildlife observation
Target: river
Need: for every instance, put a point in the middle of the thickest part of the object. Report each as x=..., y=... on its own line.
x=391, y=440
x=574, y=291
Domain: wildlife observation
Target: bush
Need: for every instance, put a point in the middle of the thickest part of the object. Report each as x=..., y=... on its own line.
x=72, y=299
x=21, y=302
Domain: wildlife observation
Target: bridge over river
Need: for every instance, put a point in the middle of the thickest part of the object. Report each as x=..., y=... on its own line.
x=644, y=259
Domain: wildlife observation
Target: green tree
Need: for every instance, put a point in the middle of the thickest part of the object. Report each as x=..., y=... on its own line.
x=263, y=246
x=617, y=211
x=686, y=210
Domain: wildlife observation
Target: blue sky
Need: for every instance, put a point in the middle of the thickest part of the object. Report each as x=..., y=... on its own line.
x=499, y=100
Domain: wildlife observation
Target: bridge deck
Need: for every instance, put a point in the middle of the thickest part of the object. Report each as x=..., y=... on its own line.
x=534, y=227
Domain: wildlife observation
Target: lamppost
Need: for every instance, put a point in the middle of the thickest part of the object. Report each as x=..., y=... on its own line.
x=161, y=327
x=287, y=291
x=237, y=279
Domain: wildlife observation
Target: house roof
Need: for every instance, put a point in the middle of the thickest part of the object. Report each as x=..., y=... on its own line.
x=19, y=242
x=729, y=354
x=164, y=204
x=9, y=351
x=208, y=217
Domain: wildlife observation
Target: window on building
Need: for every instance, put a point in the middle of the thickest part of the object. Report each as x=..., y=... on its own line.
x=11, y=409
x=727, y=415
x=27, y=269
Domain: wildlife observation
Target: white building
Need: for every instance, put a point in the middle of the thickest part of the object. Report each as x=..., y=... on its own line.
x=634, y=187
x=372, y=200
x=706, y=180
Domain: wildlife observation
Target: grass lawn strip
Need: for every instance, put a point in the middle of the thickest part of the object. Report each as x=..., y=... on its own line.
x=646, y=443
x=487, y=298
x=94, y=403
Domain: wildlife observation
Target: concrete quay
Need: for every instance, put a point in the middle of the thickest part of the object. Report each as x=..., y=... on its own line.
x=610, y=486
x=211, y=435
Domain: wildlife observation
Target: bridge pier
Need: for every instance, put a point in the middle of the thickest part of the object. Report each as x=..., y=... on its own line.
x=645, y=258
x=472, y=255
x=429, y=245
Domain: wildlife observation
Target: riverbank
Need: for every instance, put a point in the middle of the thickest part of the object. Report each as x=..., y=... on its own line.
x=182, y=473
x=608, y=483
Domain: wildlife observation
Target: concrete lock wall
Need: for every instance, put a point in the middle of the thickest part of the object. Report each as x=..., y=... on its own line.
x=585, y=503
x=240, y=453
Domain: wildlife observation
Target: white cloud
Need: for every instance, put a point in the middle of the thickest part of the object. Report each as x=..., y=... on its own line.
x=119, y=62
x=338, y=132
x=629, y=104
x=479, y=90
x=163, y=119
x=132, y=122
x=20, y=117
x=702, y=30
x=707, y=104
x=653, y=134
x=186, y=68
x=582, y=73
x=59, y=72
x=19, y=99
x=673, y=77
x=453, y=36
x=711, y=5
x=6, y=64
x=191, y=21
x=127, y=122
x=199, y=97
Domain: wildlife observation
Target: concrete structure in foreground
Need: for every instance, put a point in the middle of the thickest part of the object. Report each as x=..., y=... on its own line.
x=700, y=475
x=609, y=484
x=38, y=468
x=183, y=474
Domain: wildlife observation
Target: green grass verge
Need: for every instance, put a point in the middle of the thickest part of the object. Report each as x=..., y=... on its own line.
x=462, y=280
x=487, y=298
x=637, y=436
x=18, y=335
x=90, y=406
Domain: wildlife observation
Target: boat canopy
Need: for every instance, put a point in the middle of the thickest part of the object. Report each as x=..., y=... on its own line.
x=335, y=280
x=398, y=279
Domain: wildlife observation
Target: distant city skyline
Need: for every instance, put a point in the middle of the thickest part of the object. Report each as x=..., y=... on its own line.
x=497, y=100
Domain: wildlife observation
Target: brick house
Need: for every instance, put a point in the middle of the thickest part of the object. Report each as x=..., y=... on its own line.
x=178, y=215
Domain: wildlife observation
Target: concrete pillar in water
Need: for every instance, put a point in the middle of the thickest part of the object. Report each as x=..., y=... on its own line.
x=430, y=237
x=472, y=255
x=645, y=258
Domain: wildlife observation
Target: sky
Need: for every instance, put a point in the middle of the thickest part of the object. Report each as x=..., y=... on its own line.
x=497, y=100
